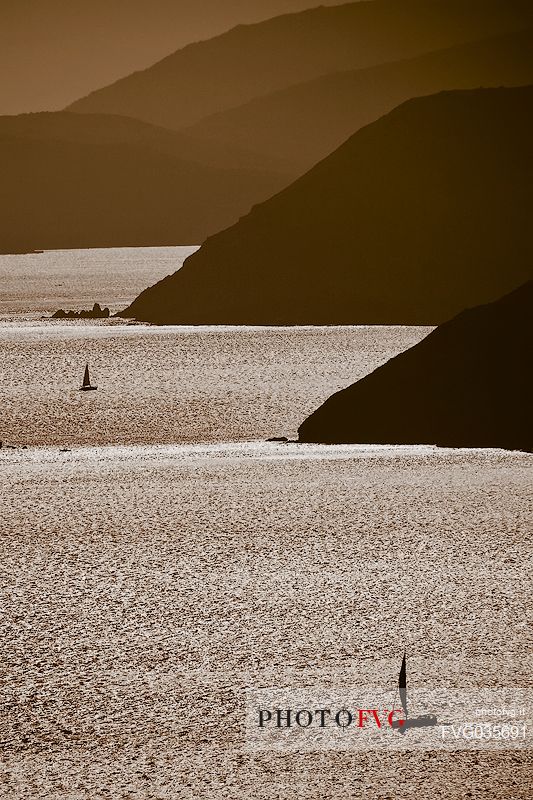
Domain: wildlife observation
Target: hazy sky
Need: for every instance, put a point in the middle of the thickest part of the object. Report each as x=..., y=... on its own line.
x=54, y=51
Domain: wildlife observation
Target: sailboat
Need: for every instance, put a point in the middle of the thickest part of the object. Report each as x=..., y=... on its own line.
x=417, y=722
x=402, y=684
x=86, y=385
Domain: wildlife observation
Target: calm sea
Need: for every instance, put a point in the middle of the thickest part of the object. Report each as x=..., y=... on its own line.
x=171, y=559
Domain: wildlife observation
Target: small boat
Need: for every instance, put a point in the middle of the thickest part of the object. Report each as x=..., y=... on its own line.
x=86, y=385
x=402, y=684
x=422, y=721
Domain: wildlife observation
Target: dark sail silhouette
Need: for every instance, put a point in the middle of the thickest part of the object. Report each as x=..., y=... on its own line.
x=421, y=721
x=86, y=385
x=402, y=684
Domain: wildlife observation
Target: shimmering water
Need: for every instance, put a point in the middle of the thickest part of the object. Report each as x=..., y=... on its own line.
x=145, y=588
x=171, y=559
x=40, y=283
x=176, y=384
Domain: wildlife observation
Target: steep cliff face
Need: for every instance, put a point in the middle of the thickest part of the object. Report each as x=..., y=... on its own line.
x=417, y=216
x=468, y=384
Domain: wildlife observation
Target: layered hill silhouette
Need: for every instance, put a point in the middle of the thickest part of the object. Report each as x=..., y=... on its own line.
x=304, y=123
x=468, y=384
x=107, y=129
x=251, y=60
x=98, y=181
x=55, y=51
x=417, y=216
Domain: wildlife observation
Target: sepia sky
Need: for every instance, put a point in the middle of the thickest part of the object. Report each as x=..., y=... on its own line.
x=55, y=51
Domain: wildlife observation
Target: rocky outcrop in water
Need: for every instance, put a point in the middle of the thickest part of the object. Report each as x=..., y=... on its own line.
x=468, y=384
x=97, y=312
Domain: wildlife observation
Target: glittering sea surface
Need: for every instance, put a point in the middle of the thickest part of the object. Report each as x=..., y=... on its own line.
x=174, y=384
x=40, y=283
x=170, y=559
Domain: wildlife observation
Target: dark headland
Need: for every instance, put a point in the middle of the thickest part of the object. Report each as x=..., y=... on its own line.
x=468, y=384
x=419, y=215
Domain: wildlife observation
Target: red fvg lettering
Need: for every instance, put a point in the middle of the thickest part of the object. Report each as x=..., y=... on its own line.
x=323, y=717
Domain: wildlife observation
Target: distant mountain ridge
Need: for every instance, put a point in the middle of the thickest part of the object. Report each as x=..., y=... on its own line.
x=254, y=60
x=73, y=181
x=115, y=129
x=468, y=384
x=304, y=123
x=55, y=51
x=416, y=216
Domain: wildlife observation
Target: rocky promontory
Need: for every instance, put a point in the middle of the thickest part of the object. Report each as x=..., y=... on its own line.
x=468, y=384
x=417, y=216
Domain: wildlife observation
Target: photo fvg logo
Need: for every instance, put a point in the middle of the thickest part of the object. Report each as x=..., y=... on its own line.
x=326, y=717
x=322, y=718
